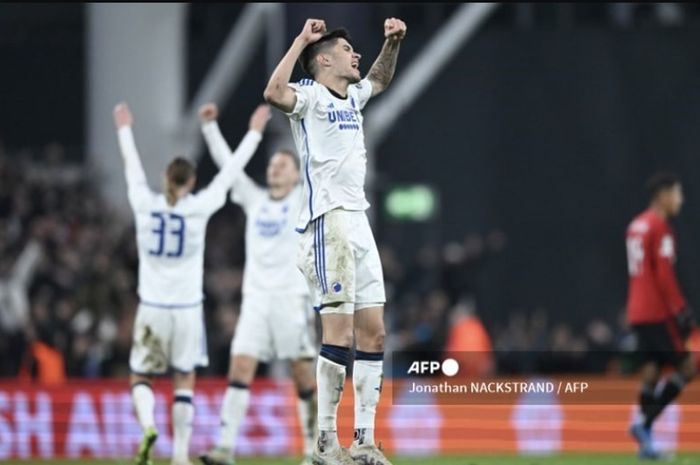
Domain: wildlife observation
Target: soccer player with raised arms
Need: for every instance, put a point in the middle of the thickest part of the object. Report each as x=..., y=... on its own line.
x=337, y=253
x=169, y=329
x=276, y=316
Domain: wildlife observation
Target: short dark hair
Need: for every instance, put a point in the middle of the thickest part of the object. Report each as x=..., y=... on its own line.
x=308, y=56
x=290, y=153
x=660, y=182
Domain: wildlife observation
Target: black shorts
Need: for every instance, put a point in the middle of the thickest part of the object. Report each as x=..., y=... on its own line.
x=660, y=342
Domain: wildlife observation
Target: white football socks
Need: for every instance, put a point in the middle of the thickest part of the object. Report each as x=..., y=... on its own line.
x=183, y=417
x=233, y=410
x=330, y=379
x=367, y=384
x=144, y=404
x=306, y=409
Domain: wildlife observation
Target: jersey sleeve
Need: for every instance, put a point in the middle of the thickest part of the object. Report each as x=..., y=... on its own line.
x=663, y=244
x=364, y=92
x=245, y=191
x=218, y=147
x=140, y=195
x=213, y=197
x=305, y=91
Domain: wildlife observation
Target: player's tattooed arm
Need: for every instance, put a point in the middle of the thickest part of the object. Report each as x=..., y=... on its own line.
x=382, y=71
x=278, y=93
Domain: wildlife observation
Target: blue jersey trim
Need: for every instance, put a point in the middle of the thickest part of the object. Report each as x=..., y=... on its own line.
x=317, y=258
x=323, y=254
x=204, y=345
x=306, y=168
x=170, y=306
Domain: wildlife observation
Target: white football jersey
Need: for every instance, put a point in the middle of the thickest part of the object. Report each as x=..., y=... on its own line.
x=271, y=243
x=329, y=136
x=170, y=239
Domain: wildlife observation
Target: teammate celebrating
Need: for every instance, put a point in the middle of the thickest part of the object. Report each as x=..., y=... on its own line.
x=170, y=231
x=338, y=254
x=275, y=310
x=656, y=308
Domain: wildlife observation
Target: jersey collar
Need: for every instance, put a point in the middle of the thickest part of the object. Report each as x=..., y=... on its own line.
x=336, y=94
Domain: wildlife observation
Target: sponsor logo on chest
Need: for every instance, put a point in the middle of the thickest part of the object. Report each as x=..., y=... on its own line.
x=344, y=118
x=269, y=225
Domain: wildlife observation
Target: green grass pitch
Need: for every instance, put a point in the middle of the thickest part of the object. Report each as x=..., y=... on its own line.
x=569, y=459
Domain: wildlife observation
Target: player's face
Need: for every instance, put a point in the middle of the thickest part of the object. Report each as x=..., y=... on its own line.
x=345, y=62
x=674, y=199
x=282, y=171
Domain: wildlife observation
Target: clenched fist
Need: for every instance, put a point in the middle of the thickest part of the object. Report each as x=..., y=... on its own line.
x=313, y=30
x=122, y=115
x=208, y=112
x=394, y=29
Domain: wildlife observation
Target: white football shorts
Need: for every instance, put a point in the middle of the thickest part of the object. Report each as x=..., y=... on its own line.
x=340, y=261
x=275, y=326
x=168, y=338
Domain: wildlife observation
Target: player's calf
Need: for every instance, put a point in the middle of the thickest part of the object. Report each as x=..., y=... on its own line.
x=144, y=401
x=330, y=376
x=307, y=406
x=183, y=416
x=368, y=374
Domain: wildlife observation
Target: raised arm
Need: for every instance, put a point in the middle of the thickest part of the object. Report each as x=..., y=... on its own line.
x=232, y=164
x=26, y=264
x=278, y=93
x=136, y=182
x=218, y=147
x=382, y=71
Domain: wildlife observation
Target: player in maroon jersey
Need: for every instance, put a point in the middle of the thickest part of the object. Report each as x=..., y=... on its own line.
x=656, y=309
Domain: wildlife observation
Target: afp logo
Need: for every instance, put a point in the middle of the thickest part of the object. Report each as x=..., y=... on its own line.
x=448, y=367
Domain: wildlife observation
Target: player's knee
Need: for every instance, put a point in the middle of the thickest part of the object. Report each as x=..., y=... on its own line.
x=340, y=338
x=184, y=380
x=371, y=340
x=374, y=339
x=135, y=379
x=378, y=340
x=242, y=367
x=337, y=329
x=304, y=382
x=242, y=373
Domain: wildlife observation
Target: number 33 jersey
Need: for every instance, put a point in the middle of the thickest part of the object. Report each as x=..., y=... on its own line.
x=170, y=239
x=654, y=294
x=170, y=243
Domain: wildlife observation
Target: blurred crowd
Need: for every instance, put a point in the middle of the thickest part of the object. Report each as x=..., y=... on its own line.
x=68, y=276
